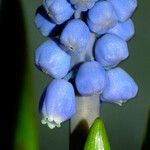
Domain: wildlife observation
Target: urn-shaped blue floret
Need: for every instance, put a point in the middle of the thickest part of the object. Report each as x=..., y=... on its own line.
x=83, y=5
x=75, y=36
x=59, y=103
x=58, y=10
x=45, y=26
x=101, y=17
x=125, y=30
x=91, y=78
x=52, y=60
x=120, y=87
x=124, y=8
x=110, y=50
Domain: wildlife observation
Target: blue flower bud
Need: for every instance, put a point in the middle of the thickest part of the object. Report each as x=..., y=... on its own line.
x=75, y=36
x=90, y=78
x=120, y=87
x=58, y=104
x=58, y=10
x=44, y=25
x=110, y=50
x=52, y=60
x=124, y=8
x=125, y=30
x=101, y=17
x=83, y=5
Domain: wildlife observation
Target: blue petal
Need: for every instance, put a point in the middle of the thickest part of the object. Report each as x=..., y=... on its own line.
x=101, y=17
x=52, y=60
x=44, y=25
x=75, y=36
x=58, y=10
x=59, y=103
x=83, y=5
x=91, y=78
x=120, y=87
x=110, y=50
x=125, y=30
x=124, y=8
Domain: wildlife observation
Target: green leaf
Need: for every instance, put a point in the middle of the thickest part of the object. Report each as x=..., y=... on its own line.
x=26, y=136
x=97, y=137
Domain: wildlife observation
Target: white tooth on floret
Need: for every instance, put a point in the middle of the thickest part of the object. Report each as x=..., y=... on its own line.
x=43, y=121
x=51, y=125
x=58, y=121
x=50, y=118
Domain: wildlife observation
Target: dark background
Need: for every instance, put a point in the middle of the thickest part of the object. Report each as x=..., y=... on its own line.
x=126, y=125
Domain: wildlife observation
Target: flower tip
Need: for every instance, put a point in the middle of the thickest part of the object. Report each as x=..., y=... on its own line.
x=51, y=122
x=43, y=121
x=120, y=103
x=50, y=125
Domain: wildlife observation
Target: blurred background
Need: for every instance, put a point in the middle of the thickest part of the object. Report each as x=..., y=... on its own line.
x=22, y=85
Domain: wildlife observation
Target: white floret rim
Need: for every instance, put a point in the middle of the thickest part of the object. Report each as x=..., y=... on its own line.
x=51, y=122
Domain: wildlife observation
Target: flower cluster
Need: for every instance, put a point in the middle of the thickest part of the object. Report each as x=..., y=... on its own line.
x=87, y=40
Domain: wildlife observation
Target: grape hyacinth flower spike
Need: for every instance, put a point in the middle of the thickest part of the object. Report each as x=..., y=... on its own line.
x=120, y=87
x=58, y=104
x=88, y=39
x=52, y=60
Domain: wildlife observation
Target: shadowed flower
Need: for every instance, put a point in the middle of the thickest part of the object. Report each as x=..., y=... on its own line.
x=43, y=22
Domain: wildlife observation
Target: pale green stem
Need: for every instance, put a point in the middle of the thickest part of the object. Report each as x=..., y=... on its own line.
x=88, y=108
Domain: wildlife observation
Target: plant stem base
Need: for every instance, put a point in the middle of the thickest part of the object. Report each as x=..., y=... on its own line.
x=88, y=108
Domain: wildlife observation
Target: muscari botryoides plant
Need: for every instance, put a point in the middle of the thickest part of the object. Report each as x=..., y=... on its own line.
x=87, y=40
